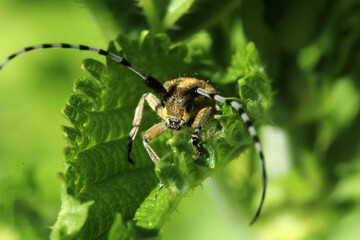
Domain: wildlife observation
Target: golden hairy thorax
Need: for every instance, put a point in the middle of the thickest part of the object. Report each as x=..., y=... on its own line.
x=183, y=103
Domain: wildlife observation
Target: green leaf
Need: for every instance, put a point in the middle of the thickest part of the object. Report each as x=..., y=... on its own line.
x=254, y=85
x=111, y=194
x=116, y=17
x=202, y=15
x=101, y=113
x=72, y=217
x=154, y=10
x=176, y=10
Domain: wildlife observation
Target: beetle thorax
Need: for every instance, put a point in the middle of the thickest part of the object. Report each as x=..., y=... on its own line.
x=182, y=103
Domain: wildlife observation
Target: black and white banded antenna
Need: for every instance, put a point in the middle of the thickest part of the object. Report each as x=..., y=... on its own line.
x=253, y=134
x=152, y=83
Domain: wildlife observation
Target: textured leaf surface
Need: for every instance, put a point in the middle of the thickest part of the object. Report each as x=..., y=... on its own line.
x=108, y=191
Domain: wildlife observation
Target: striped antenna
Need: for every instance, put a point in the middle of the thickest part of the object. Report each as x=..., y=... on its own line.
x=253, y=134
x=152, y=83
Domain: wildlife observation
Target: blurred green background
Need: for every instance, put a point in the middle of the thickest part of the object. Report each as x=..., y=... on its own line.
x=310, y=49
x=32, y=93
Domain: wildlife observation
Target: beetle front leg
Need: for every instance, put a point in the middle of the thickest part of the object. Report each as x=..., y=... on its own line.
x=155, y=105
x=150, y=134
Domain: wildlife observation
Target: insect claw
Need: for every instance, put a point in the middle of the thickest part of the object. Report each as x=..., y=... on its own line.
x=130, y=160
x=198, y=149
x=161, y=186
x=129, y=151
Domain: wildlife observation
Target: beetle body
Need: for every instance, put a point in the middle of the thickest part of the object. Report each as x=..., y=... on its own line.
x=183, y=103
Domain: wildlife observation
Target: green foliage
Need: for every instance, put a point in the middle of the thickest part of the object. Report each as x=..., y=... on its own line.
x=99, y=180
x=308, y=48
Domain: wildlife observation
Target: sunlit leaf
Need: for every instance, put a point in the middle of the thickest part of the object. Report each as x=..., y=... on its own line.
x=98, y=172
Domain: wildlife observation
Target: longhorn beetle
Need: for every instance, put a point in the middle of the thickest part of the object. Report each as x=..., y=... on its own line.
x=182, y=102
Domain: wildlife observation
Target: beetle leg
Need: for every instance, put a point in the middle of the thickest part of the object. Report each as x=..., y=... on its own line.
x=155, y=105
x=201, y=118
x=150, y=134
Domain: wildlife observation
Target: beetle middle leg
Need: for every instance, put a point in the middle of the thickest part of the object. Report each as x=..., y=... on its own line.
x=201, y=118
x=150, y=134
x=155, y=105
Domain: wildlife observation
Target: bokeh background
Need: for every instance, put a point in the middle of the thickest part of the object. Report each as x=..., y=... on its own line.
x=310, y=49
